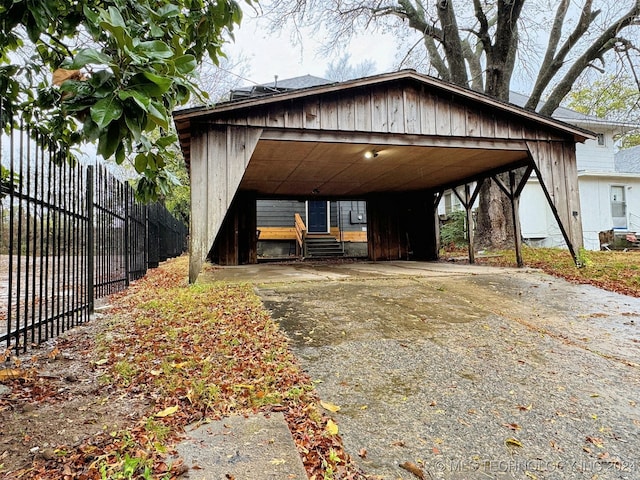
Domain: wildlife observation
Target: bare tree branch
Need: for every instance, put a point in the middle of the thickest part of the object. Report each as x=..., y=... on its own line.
x=553, y=61
x=605, y=42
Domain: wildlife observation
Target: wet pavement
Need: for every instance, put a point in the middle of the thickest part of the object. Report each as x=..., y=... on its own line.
x=468, y=372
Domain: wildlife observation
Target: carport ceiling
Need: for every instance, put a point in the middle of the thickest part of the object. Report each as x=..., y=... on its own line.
x=302, y=168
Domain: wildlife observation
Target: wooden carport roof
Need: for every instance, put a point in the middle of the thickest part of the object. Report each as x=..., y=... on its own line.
x=427, y=134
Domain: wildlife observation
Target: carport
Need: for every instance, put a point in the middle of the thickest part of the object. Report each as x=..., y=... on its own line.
x=398, y=140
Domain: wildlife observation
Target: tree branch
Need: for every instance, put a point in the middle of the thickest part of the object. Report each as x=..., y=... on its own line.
x=553, y=61
x=452, y=43
x=605, y=42
x=436, y=59
x=475, y=67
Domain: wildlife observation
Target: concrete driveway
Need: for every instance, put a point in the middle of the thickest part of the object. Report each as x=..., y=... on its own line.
x=466, y=371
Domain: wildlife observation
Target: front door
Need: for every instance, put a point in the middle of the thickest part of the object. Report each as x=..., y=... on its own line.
x=317, y=218
x=618, y=207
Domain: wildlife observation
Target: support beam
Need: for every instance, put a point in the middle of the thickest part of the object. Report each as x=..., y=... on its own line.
x=437, y=197
x=467, y=202
x=218, y=162
x=555, y=167
x=513, y=192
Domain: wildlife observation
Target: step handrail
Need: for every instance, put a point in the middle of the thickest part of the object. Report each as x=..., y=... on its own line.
x=301, y=230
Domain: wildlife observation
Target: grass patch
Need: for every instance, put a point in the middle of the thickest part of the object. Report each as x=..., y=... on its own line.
x=611, y=270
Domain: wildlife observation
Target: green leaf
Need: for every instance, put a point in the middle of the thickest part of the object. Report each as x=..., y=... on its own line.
x=168, y=11
x=155, y=49
x=105, y=111
x=109, y=141
x=163, y=83
x=89, y=55
x=140, y=162
x=140, y=98
x=167, y=140
x=185, y=64
x=158, y=115
x=134, y=125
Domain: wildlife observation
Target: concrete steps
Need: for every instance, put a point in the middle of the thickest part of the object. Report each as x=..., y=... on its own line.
x=322, y=247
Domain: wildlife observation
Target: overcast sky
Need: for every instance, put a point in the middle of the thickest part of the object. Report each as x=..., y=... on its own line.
x=270, y=54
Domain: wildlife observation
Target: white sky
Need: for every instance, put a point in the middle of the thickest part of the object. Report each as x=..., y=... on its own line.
x=270, y=54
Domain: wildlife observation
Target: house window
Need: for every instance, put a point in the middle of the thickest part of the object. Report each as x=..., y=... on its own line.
x=618, y=207
x=447, y=203
x=600, y=138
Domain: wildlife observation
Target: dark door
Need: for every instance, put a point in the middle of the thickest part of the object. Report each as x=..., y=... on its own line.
x=317, y=217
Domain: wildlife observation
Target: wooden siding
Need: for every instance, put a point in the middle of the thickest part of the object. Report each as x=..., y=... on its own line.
x=401, y=108
x=555, y=165
x=215, y=183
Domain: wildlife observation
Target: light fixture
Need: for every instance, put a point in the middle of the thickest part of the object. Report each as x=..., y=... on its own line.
x=369, y=154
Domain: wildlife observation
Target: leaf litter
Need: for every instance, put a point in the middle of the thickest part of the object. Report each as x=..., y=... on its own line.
x=165, y=355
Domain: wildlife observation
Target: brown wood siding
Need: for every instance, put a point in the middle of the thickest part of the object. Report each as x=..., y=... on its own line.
x=399, y=108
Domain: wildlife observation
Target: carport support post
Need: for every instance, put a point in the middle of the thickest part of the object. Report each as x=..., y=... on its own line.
x=437, y=197
x=468, y=204
x=515, y=216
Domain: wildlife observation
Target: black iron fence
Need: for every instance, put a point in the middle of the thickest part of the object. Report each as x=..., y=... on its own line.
x=68, y=234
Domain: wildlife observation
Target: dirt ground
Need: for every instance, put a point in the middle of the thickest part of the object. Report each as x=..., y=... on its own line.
x=63, y=403
x=469, y=373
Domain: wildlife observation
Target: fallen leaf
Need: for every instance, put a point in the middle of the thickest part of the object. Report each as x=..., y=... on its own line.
x=399, y=443
x=330, y=406
x=155, y=373
x=512, y=442
x=436, y=451
x=362, y=453
x=10, y=374
x=167, y=411
x=102, y=361
x=555, y=446
x=332, y=428
x=413, y=468
x=278, y=461
x=525, y=408
x=598, y=442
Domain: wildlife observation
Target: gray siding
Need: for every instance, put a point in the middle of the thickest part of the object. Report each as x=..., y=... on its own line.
x=279, y=213
x=348, y=206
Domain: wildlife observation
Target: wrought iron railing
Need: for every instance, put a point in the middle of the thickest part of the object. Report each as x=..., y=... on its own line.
x=68, y=234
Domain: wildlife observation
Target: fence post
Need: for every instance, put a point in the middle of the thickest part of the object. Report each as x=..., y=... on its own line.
x=90, y=238
x=127, y=237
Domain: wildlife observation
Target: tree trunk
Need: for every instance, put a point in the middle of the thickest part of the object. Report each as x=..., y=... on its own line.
x=494, y=224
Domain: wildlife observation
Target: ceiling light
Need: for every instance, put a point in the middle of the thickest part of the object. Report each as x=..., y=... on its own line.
x=369, y=154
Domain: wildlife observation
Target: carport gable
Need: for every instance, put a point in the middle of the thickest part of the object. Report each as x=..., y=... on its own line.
x=425, y=135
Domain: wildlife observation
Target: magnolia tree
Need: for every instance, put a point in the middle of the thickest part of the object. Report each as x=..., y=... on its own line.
x=483, y=44
x=109, y=72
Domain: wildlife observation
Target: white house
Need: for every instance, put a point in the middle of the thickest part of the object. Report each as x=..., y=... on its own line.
x=608, y=199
